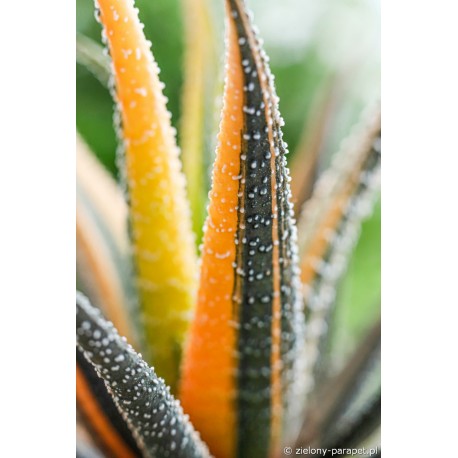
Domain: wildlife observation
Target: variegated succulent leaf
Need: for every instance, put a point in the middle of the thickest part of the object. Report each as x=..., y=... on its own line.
x=342, y=399
x=159, y=217
x=356, y=425
x=356, y=413
x=103, y=262
x=329, y=229
x=248, y=326
x=155, y=418
x=100, y=414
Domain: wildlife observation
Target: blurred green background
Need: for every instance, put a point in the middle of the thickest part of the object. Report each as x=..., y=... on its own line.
x=330, y=46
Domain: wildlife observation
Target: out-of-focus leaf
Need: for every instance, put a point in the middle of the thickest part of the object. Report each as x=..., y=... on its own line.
x=358, y=295
x=330, y=225
x=162, y=239
x=297, y=83
x=144, y=401
x=85, y=443
x=304, y=166
x=355, y=429
x=200, y=103
x=102, y=253
x=90, y=54
x=240, y=381
x=359, y=430
x=340, y=402
x=94, y=118
x=85, y=450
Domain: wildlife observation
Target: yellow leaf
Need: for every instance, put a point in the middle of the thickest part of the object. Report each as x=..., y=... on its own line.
x=159, y=214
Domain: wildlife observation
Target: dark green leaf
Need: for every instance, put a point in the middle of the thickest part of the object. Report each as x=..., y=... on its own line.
x=153, y=415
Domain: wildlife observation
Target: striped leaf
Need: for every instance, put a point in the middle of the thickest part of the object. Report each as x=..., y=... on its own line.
x=356, y=426
x=100, y=414
x=103, y=266
x=329, y=227
x=86, y=446
x=148, y=409
x=239, y=375
x=201, y=90
x=341, y=401
x=160, y=222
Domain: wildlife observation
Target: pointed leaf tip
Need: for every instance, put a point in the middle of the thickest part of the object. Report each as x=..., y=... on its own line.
x=248, y=326
x=160, y=222
x=201, y=96
x=153, y=415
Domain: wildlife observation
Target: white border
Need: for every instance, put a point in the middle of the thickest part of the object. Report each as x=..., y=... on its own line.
x=37, y=241
x=419, y=226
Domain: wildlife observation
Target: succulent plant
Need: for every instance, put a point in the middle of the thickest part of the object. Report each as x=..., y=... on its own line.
x=234, y=339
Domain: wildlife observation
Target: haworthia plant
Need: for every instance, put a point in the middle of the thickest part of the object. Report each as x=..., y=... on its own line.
x=154, y=417
x=247, y=329
x=260, y=310
x=159, y=215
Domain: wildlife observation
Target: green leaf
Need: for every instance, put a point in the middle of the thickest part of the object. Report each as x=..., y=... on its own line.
x=90, y=54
